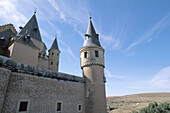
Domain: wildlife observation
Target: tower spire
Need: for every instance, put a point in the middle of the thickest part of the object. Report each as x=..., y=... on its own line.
x=91, y=38
x=32, y=28
x=55, y=44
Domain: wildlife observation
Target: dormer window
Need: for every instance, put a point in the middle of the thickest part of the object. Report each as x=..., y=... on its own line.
x=96, y=54
x=85, y=54
x=35, y=30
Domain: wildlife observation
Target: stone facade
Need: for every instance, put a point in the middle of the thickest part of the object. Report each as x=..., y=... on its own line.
x=41, y=88
x=23, y=53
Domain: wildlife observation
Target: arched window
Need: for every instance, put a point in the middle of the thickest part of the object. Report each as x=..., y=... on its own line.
x=96, y=54
x=85, y=54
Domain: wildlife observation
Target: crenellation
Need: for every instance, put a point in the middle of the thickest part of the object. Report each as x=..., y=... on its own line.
x=22, y=68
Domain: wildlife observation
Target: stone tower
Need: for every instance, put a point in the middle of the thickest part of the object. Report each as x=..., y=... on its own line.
x=92, y=64
x=54, y=53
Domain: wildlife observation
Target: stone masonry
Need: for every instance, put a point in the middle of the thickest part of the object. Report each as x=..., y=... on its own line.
x=41, y=88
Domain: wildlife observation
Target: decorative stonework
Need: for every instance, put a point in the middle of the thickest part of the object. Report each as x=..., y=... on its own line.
x=22, y=68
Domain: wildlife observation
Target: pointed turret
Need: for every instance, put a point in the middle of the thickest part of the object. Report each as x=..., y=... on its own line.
x=55, y=44
x=54, y=53
x=92, y=65
x=91, y=38
x=32, y=28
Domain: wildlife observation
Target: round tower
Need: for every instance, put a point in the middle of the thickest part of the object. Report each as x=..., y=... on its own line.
x=54, y=54
x=92, y=65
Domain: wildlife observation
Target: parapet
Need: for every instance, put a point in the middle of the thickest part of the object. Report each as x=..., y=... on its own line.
x=34, y=71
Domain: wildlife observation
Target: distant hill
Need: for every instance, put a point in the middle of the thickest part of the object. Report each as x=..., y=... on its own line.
x=128, y=103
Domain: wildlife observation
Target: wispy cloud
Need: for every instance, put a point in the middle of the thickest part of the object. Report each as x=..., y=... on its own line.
x=10, y=13
x=115, y=39
x=70, y=14
x=161, y=79
x=67, y=49
x=110, y=75
x=158, y=81
x=152, y=32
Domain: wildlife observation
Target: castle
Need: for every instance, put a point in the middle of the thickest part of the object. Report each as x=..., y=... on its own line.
x=30, y=81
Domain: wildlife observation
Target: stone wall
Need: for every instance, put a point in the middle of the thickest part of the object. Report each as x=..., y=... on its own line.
x=23, y=53
x=4, y=80
x=40, y=87
x=42, y=63
x=8, y=26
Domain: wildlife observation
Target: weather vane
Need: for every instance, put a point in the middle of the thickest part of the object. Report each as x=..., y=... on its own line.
x=90, y=15
x=35, y=10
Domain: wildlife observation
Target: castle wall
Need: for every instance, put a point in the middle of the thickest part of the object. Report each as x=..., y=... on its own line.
x=39, y=44
x=43, y=94
x=8, y=26
x=42, y=63
x=4, y=80
x=40, y=87
x=91, y=55
x=53, y=60
x=23, y=53
x=95, y=89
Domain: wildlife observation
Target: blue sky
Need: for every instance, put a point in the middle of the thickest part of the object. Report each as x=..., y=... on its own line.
x=134, y=33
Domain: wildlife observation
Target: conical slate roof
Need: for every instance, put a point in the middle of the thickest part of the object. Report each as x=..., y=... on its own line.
x=91, y=36
x=32, y=28
x=55, y=44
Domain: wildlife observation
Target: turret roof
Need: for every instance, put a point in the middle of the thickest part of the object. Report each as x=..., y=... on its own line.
x=91, y=38
x=55, y=44
x=32, y=28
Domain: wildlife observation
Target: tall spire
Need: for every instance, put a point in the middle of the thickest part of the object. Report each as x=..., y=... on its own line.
x=55, y=44
x=32, y=28
x=91, y=38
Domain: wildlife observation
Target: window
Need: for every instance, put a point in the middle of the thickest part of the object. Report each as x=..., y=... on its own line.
x=57, y=54
x=57, y=63
x=52, y=53
x=96, y=54
x=35, y=30
x=59, y=106
x=85, y=54
x=51, y=62
x=23, y=106
x=79, y=108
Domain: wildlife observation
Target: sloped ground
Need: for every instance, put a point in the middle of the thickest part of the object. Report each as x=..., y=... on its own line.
x=128, y=103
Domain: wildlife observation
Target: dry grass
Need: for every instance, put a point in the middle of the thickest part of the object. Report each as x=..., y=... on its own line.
x=128, y=103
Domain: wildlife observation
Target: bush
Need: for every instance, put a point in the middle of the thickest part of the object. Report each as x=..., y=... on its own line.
x=155, y=108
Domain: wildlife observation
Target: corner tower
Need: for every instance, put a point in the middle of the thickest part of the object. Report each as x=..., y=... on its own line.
x=92, y=64
x=54, y=53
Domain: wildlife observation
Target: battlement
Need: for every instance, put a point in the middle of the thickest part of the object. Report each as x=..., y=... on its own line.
x=8, y=63
x=8, y=26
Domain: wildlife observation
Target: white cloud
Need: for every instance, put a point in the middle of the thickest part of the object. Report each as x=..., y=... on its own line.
x=161, y=79
x=10, y=13
x=108, y=74
x=70, y=15
x=156, y=29
x=66, y=48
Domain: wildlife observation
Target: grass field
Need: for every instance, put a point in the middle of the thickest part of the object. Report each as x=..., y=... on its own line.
x=128, y=103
